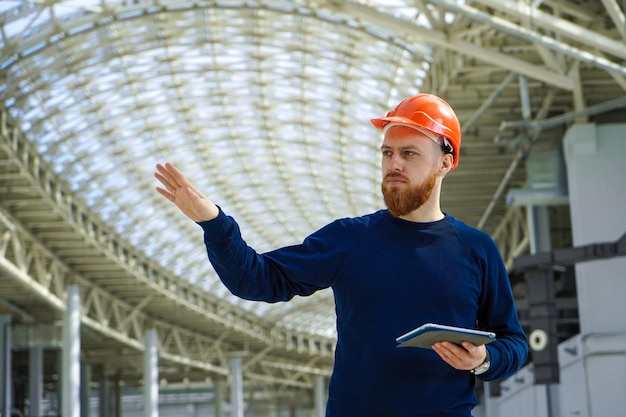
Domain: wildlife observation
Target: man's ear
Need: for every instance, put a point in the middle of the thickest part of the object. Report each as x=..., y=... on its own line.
x=447, y=162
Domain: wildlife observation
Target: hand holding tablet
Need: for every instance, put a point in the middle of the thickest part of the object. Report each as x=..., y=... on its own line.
x=429, y=333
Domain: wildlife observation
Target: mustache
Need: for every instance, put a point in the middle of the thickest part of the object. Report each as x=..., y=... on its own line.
x=395, y=175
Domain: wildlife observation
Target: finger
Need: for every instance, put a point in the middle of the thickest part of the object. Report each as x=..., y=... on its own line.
x=165, y=177
x=452, y=348
x=456, y=356
x=470, y=347
x=171, y=175
x=445, y=354
x=444, y=350
x=477, y=352
x=166, y=183
x=181, y=182
x=165, y=194
x=173, y=180
x=177, y=178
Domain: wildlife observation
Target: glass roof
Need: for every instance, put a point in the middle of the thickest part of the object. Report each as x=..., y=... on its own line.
x=264, y=106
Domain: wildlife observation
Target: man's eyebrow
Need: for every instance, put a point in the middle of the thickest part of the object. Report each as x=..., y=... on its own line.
x=399, y=147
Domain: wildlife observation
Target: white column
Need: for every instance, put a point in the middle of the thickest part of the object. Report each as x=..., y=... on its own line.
x=35, y=379
x=70, y=374
x=151, y=375
x=321, y=395
x=597, y=189
x=5, y=365
x=236, y=387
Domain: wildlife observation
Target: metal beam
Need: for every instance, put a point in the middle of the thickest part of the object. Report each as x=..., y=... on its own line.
x=572, y=256
x=538, y=125
x=531, y=36
x=440, y=39
x=617, y=14
x=548, y=22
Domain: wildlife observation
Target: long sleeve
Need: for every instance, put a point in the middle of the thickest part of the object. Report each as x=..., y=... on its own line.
x=278, y=275
x=497, y=313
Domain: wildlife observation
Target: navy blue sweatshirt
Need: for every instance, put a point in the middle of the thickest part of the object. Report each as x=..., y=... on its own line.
x=388, y=276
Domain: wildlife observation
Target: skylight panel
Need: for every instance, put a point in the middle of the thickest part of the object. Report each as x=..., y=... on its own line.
x=267, y=112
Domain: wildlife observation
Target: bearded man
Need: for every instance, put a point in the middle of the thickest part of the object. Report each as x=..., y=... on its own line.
x=390, y=271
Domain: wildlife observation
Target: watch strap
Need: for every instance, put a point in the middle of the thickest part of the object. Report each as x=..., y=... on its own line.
x=483, y=367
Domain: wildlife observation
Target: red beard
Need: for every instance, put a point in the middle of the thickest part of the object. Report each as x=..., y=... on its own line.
x=401, y=202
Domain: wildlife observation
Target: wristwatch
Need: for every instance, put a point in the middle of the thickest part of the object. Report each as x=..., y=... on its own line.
x=483, y=367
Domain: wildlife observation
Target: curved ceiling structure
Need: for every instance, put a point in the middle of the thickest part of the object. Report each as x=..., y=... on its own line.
x=265, y=106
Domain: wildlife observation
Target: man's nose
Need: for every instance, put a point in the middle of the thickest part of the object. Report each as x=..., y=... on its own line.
x=395, y=163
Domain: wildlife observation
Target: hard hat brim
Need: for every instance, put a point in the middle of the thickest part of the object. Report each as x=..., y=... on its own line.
x=381, y=122
x=432, y=136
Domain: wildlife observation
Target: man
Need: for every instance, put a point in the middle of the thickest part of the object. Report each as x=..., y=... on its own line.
x=390, y=272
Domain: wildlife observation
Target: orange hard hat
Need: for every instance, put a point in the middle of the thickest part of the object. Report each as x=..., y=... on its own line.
x=429, y=112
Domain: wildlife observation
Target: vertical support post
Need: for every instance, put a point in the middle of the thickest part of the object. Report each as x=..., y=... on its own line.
x=151, y=375
x=543, y=338
x=70, y=374
x=5, y=365
x=593, y=155
x=218, y=392
x=35, y=380
x=85, y=392
x=489, y=410
x=105, y=397
x=320, y=396
x=540, y=240
x=117, y=392
x=524, y=98
x=236, y=387
x=539, y=228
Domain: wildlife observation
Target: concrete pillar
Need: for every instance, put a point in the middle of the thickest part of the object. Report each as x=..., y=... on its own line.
x=596, y=175
x=117, y=395
x=321, y=395
x=35, y=380
x=104, y=394
x=236, y=387
x=218, y=390
x=70, y=372
x=151, y=375
x=85, y=390
x=6, y=390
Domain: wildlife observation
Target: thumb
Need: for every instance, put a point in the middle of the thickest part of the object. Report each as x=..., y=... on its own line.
x=203, y=208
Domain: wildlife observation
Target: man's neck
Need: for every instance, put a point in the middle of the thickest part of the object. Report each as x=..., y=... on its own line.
x=424, y=215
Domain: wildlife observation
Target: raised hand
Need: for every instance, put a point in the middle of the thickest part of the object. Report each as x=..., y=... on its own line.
x=177, y=189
